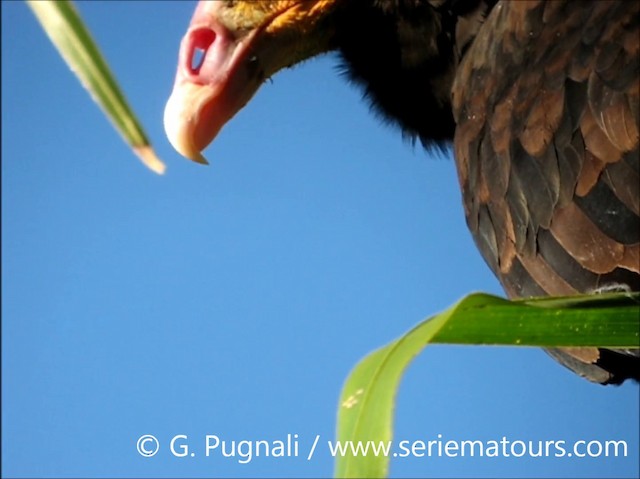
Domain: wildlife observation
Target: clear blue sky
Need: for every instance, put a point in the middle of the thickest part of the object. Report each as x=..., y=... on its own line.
x=234, y=299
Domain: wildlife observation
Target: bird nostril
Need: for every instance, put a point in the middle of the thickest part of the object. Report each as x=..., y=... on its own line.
x=197, y=57
x=200, y=41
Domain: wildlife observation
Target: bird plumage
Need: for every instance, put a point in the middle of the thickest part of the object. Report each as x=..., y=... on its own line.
x=540, y=100
x=547, y=145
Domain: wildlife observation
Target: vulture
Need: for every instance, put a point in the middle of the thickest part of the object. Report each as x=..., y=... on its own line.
x=538, y=99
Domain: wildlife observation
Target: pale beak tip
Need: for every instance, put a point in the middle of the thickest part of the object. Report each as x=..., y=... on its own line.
x=179, y=128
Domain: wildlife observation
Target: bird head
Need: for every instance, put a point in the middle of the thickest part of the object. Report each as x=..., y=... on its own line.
x=230, y=48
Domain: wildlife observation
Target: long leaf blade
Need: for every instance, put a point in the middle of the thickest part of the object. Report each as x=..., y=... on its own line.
x=67, y=32
x=367, y=401
x=563, y=322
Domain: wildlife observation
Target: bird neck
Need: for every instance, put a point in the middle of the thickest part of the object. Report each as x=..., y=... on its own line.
x=404, y=53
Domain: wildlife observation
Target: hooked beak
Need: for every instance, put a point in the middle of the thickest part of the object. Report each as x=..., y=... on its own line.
x=217, y=75
x=226, y=54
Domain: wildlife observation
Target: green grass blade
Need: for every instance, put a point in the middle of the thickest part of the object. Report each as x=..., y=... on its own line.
x=368, y=397
x=596, y=320
x=366, y=406
x=67, y=32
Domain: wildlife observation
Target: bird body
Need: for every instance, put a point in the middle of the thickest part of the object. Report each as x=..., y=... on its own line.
x=540, y=100
x=546, y=145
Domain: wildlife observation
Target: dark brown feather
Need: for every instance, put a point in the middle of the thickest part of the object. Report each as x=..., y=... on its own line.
x=550, y=92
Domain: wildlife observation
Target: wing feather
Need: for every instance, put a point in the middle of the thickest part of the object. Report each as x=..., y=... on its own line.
x=546, y=105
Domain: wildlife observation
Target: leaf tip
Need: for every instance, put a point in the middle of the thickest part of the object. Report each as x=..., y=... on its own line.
x=150, y=160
